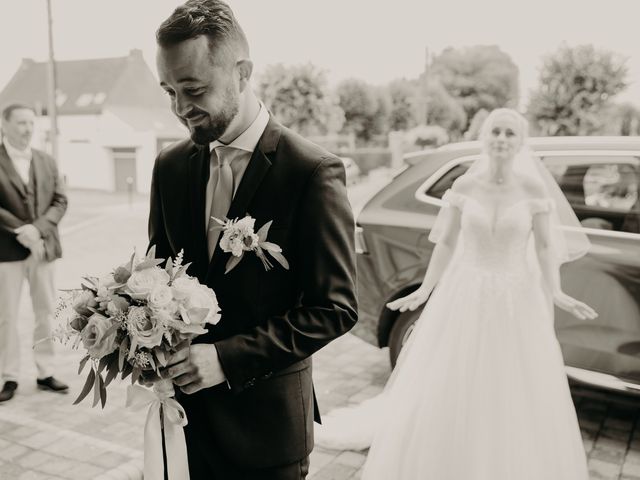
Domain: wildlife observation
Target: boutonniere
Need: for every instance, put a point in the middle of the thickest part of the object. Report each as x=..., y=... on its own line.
x=238, y=237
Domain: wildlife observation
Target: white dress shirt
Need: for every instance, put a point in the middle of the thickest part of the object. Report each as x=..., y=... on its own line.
x=21, y=160
x=241, y=150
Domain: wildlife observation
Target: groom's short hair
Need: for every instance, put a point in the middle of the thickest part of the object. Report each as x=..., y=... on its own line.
x=212, y=18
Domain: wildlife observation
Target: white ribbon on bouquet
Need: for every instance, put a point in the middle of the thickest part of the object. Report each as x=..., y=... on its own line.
x=175, y=419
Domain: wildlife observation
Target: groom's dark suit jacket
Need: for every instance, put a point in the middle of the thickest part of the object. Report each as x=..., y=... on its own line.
x=272, y=321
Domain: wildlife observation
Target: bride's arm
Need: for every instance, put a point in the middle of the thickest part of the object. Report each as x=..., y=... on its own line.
x=550, y=267
x=440, y=259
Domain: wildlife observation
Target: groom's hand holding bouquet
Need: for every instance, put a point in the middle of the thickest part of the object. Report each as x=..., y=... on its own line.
x=139, y=320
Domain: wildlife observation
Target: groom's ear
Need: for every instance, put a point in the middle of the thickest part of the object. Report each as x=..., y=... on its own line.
x=245, y=69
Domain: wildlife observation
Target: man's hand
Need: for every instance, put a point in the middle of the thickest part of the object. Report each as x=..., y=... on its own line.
x=194, y=367
x=28, y=235
x=37, y=250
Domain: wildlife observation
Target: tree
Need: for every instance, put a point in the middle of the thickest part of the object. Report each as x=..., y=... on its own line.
x=575, y=87
x=402, y=94
x=428, y=136
x=366, y=109
x=477, y=77
x=621, y=119
x=473, y=133
x=300, y=98
x=444, y=110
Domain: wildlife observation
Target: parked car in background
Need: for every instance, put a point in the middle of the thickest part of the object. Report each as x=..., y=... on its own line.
x=352, y=170
x=600, y=177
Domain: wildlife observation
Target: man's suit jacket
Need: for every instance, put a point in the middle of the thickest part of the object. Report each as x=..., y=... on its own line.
x=50, y=203
x=272, y=321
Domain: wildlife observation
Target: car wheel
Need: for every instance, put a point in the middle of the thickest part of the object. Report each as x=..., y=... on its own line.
x=402, y=328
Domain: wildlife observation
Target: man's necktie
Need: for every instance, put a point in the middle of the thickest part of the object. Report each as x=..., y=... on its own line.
x=222, y=193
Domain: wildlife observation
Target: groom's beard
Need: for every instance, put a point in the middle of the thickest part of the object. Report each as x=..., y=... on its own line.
x=215, y=124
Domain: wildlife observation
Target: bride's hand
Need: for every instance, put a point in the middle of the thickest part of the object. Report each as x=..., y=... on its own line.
x=575, y=307
x=410, y=302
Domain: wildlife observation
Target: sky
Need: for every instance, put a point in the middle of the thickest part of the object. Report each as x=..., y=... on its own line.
x=374, y=40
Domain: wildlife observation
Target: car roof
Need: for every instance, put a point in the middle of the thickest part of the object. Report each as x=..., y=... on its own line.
x=426, y=162
x=452, y=150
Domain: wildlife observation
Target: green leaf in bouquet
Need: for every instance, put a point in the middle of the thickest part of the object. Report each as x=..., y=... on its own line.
x=88, y=288
x=132, y=349
x=232, y=262
x=161, y=357
x=122, y=352
x=87, y=387
x=152, y=362
x=182, y=270
x=264, y=231
x=92, y=281
x=83, y=362
x=169, y=267
x=96, y=389
x=111, y=330
x=103, y=393
x=135, y=374
x=104, y=361
x=148, y=263
x=112, y=371
x=126, y=371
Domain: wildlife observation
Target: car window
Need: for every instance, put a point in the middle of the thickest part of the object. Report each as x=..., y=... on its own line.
x=444, y=183
x=603, y=191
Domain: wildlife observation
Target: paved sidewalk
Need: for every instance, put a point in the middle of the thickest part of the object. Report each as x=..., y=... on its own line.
x=43, y=436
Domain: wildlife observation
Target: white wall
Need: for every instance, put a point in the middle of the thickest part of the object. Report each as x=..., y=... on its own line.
x=84, y=149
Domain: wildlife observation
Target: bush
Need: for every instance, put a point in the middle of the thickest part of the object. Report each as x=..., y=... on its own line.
x=428, y=136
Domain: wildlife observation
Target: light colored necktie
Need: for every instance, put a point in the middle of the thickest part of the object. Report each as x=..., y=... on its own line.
x=222, y=195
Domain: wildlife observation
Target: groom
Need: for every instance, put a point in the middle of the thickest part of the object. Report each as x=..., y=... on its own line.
x=246, y=385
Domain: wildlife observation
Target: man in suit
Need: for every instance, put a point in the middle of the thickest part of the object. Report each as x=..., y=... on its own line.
x=32, y=202
x=246, y=385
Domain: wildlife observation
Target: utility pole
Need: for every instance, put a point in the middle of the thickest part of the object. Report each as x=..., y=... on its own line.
x=51, y=90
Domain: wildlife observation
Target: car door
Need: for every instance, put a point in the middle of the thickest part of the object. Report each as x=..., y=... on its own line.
x=603, y=189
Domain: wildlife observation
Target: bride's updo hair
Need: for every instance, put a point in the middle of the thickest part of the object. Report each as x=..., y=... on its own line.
x=521, y=123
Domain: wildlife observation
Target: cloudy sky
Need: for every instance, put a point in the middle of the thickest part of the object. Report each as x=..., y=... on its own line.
x=374, y=40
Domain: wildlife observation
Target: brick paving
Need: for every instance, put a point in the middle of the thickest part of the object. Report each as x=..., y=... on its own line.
x=43, y=436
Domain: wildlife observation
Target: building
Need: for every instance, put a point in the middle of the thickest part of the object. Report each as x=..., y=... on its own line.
x=113, y=118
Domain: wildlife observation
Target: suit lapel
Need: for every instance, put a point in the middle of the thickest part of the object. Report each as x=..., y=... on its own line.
x=40, y=175
x=198, y=177
x=7, y=165
x=256, y=170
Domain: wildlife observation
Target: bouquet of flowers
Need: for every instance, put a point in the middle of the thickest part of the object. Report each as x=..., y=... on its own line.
x=131, y=320
x=128, y=322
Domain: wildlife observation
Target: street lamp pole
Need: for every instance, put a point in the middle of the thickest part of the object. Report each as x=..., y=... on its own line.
x=51, y=89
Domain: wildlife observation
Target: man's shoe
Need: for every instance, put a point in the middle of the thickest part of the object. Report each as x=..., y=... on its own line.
x=8, y=390
x=52, y=384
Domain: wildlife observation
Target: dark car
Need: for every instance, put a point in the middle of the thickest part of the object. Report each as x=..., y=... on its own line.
x=600, y=177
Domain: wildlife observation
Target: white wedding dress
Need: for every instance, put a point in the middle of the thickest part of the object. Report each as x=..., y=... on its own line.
x=479, y=392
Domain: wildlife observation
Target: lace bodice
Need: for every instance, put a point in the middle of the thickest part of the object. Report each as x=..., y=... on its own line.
x=496, y=240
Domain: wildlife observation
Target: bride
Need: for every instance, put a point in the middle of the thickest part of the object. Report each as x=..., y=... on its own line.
x=479, y=392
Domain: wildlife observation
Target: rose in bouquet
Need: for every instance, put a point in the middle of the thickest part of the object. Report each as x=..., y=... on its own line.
x=131, y=320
